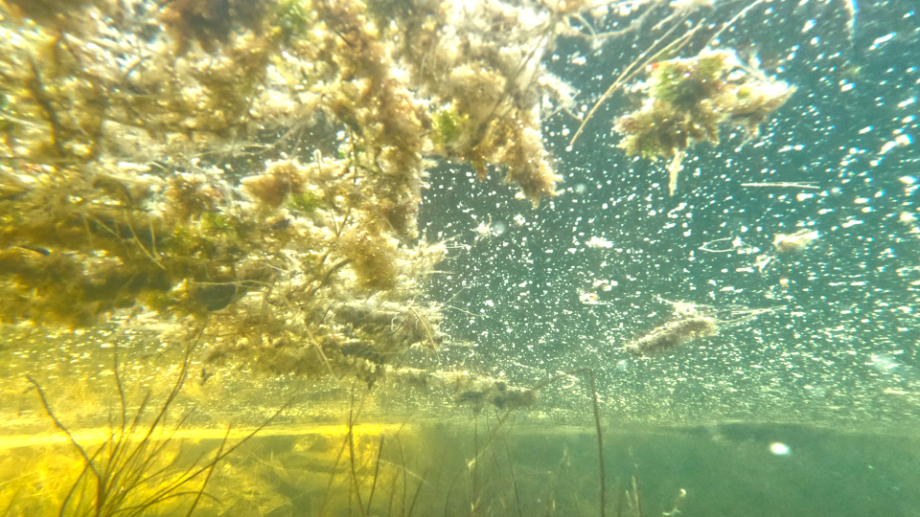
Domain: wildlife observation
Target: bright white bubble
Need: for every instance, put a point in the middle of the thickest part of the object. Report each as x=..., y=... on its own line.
x=780, y=449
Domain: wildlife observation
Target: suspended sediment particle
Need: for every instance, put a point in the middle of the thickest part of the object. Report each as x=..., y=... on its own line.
x=672, y=335
x=797, y=241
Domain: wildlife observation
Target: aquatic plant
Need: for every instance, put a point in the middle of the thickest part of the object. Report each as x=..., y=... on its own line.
x=210, y=22
x=254, y=165
x=687, y=100
x=138, y=466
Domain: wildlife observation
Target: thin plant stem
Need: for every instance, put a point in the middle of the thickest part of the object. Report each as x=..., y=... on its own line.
x=207, y=477
x=732, y=22
x=418, y=489
x=370, y=498
x=600, y=443
x=517, y=496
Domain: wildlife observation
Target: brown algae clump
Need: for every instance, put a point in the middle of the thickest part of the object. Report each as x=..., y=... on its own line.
x=687, y=100
x=690, y=322
x=672, y=335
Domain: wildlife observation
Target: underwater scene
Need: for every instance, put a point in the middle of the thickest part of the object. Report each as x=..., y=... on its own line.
x=459, y=258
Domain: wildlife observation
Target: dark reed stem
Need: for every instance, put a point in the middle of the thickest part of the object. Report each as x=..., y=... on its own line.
x=600, y=442
x=370, y=498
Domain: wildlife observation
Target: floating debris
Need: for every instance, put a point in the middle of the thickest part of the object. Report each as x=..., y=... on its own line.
x=692, y=321
x=688, y=99
x=500, y=395
x=784, y=184
x=599, y=242
x=590, y=298
x=672, y=335
x=728, y=245
x=785, y=243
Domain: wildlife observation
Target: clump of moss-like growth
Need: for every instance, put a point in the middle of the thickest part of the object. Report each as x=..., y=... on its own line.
x=191, y=186
x=450, y=128
x=293, y=18
x=279, y=182
x=488, y=87
x=373, y=259
x=684, y=82
x=687, y=100
x=305, y=202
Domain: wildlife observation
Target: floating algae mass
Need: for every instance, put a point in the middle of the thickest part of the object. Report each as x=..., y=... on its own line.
x=672, y=335
x=383, y=257
x=691, y=322
x=688, y=100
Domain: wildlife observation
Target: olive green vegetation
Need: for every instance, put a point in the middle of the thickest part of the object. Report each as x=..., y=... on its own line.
x=210, y=22
x=450, y=127
x=133, y=254
x=686, y=82
x=293, y=18
x=46, y=11
x=253, y=167
x=257, y=167
x=305, y=203
x=687, y=100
